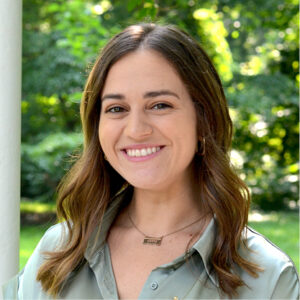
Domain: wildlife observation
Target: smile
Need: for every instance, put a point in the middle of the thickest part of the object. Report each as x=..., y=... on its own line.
x=142, y=152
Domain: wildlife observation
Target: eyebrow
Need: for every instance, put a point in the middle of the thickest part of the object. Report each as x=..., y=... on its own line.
x=160, y=93
x=113, y=96
x=151, y=94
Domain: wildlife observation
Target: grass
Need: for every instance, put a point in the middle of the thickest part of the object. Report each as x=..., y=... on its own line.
x=280, y=227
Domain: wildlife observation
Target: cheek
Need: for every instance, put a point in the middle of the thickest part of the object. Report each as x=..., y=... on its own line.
x=103, y=135
x=183, y=136
x=188, y=129
x=190, y=140
x=109, y=134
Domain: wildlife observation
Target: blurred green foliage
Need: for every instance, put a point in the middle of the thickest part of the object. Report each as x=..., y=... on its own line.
x=254, y=45
x=44, y=164
x=35, y=207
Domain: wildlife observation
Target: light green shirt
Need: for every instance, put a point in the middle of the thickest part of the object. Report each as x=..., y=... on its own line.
x=188, y=277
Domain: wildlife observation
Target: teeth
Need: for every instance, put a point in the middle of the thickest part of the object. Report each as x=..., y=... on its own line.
x=142, y=152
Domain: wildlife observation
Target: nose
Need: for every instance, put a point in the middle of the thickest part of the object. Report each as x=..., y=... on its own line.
x=138, y=125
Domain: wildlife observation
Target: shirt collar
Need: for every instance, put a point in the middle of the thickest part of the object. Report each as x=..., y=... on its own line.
x=204, y=245
x=98, y=237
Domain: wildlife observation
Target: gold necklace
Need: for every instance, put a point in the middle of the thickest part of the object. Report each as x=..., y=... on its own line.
x=151, y=240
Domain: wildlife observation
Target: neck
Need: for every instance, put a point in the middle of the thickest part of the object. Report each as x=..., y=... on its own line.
x=157, y=213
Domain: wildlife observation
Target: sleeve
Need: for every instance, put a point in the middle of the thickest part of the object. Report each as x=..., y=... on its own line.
x=287, y=286
x=10, y=289
x=24, y=285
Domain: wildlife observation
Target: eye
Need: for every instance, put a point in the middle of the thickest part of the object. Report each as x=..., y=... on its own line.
x=160, y=106
x=114, y=109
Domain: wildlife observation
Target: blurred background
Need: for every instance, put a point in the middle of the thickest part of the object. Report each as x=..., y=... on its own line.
x=254, y=45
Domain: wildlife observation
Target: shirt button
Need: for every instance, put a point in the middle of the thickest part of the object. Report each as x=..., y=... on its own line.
x=154, y=285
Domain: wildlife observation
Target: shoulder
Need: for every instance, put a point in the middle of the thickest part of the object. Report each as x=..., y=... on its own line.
x=24, y=284
x=278, y=278
x=52, y=240
x=264, y=252
x=54, y=237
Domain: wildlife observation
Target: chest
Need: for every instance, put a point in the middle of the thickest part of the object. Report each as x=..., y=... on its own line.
x=133, y=262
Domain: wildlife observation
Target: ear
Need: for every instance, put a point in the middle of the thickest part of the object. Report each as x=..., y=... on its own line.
x=201, y=146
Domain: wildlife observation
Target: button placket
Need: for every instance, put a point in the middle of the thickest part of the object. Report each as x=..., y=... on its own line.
x=155, y=284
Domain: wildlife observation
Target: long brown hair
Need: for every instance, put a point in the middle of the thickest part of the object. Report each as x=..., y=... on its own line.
x=90, y=185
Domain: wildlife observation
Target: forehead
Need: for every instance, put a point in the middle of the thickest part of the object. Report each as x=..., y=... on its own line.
x=142, y=70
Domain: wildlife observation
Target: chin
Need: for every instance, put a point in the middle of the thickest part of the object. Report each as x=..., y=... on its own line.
x=148, y=184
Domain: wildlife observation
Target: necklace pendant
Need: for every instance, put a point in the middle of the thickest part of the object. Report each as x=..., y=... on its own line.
x=149, y=240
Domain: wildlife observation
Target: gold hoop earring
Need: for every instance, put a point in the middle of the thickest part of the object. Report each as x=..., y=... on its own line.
x=202, y=147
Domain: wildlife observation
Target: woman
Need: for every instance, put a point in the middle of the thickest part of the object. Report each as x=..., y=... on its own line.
x=152, y=209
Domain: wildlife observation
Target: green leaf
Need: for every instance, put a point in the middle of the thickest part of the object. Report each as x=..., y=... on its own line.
x=133, y=4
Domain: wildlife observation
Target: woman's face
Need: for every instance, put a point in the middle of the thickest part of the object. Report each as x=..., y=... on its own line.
x=147, y=126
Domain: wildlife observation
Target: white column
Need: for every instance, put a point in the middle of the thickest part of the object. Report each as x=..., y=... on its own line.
x=10, y=134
